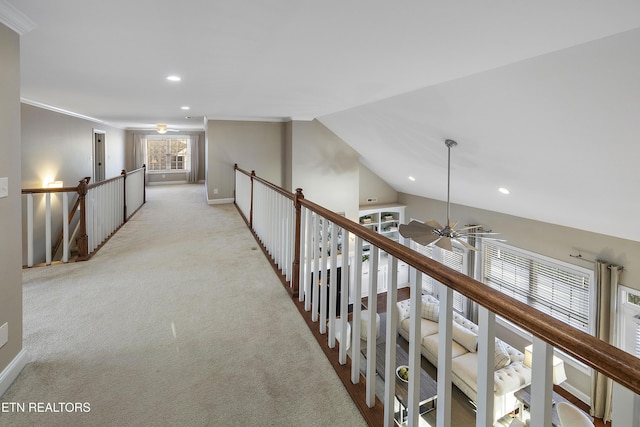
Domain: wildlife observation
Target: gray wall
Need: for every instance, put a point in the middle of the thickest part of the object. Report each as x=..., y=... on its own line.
x=325, y=167
x=543, y=238
x=372, y=186
x=252, y=145
x=58, y=146
x=61, y=146
x=10, y=248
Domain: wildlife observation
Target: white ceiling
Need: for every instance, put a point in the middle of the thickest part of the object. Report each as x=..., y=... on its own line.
x=543, y=97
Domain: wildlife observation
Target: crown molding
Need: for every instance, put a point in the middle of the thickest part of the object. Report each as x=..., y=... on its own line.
x=60, y=110
x=14, y=19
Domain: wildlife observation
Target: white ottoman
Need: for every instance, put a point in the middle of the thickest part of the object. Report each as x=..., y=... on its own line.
x=364, y=324
x=338, y=324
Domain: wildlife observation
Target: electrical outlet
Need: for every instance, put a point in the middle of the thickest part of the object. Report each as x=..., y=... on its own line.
x=215, y=191
x=4, y=334
x=372, y=199
x=4, y=187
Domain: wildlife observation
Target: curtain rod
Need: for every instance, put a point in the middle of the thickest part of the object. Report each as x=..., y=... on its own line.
x=579, y=256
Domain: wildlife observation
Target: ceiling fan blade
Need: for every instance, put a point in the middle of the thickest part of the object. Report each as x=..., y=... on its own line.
x=466, y=245
x=426, y=239
x=452, y=224
x=414, y=228
x=433, y=223
x=445, y=243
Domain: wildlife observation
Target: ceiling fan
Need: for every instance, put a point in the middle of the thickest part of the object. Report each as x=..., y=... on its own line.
x=162, y=129
x=432, y=232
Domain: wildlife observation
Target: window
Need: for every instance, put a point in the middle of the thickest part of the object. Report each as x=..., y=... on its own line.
x=168, y=153
x=629, y=320
x=457, y=260
x=555, y=288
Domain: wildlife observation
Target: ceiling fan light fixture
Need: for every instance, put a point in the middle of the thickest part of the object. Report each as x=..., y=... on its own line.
x=161, y=129
x=431, y=232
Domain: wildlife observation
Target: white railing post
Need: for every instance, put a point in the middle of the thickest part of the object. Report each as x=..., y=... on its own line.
x=47, y=229
x=542, y=384
x=65, y=227
x=29, y=230
x=486, y=364
x=344, y=299
x=322, y=276
x=415, y=356
x=333, y=272
x=357, y=311
x=625, y=407
x=445, y=327
x=390, y=350
x=372, y=307
x=309, y=254
x=315, y=288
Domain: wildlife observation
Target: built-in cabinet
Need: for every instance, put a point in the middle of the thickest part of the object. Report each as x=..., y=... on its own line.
x=385, y=220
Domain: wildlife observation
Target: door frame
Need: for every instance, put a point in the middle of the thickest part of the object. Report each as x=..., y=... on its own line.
x=99, y=155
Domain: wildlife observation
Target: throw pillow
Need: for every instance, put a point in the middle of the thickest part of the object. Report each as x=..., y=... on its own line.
x=502, y=358
x=430, y=311
x=465, y=337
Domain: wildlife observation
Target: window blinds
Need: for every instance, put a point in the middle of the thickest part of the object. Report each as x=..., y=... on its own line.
x=549, y=287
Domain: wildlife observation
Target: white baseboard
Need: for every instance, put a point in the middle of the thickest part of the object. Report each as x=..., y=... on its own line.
x=167, y=182
x=577, y=393
x=220, y=201
x=11, y=372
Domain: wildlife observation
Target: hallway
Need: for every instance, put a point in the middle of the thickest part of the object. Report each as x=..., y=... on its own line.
x=178, y=320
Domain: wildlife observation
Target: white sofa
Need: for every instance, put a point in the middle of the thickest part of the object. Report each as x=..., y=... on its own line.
x=510, y=374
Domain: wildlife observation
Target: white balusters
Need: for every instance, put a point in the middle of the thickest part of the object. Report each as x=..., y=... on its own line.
x=30, y=230
x=47, y=228
x=391, y=334
x=444, y=356
x=65, y=227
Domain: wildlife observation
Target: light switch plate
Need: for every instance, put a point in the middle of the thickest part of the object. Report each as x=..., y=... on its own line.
x=4, y=334
x=4, y=187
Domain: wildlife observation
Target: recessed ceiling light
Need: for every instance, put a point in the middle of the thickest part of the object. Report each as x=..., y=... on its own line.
x=504, y=190
x=174, y=78
x=184, y=107
x=411, y=178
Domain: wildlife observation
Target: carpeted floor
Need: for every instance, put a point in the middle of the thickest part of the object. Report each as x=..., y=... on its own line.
x=178, y=321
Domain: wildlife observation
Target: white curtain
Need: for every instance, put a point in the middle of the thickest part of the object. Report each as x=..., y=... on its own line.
x=606, y=288
x=139, y=150
x=192, y=175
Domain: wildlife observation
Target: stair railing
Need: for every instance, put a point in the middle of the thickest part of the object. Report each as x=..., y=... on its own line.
x=292, y=228
x=104, y=207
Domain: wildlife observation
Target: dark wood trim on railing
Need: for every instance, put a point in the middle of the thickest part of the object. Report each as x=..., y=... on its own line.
x=56, y=247
x=83, y=239
x=295, y=273
x=594, y=352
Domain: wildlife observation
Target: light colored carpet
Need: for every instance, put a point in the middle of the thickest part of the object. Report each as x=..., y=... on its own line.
x=178, y=321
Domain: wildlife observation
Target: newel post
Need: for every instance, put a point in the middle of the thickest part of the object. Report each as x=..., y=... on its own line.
x=83, y=240
x=295, y=279
x=124, y=195
x=253, y=174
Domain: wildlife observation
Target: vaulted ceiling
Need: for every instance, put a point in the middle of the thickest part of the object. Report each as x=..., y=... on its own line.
x=542, y=97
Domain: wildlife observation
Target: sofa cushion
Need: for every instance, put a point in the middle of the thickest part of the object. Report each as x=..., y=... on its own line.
x=465, y=337
x=430, y=348
x=430, y=311
x=427, y=327
x=502, y=357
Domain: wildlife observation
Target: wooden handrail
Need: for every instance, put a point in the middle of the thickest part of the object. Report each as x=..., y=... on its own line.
x=594, y=352
x=280, y=190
